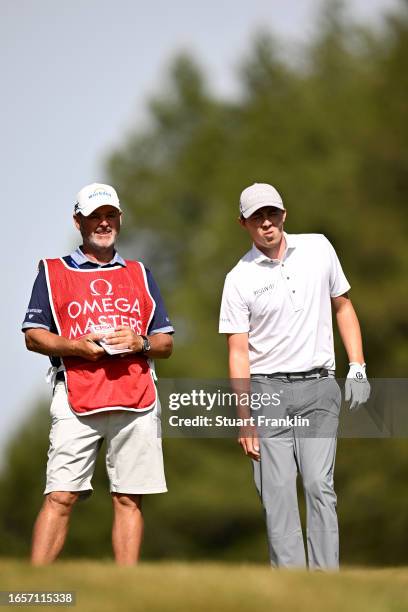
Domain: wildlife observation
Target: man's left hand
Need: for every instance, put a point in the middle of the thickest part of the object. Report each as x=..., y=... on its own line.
x=125, y=338
x=357, y=388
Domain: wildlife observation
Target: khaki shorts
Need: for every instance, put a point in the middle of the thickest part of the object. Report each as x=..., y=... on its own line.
x=134, y=458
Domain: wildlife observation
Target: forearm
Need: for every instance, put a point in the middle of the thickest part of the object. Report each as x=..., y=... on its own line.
x=161, y=346
x=239, y=365
x=42, y=341
x=350, y=333
x=240, y=382
x=239, y=372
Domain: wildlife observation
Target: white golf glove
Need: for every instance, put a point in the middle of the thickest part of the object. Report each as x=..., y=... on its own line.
x=357, y=388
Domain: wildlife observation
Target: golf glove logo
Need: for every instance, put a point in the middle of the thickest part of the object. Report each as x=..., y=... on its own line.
x=357, y=388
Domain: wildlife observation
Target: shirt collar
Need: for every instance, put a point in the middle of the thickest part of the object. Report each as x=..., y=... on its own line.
x=80, y=259
x=259, y=257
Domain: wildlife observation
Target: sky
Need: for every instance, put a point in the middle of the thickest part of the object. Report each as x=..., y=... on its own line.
x=75, y=76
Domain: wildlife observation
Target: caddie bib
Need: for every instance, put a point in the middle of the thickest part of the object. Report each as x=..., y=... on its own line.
x=81, y=298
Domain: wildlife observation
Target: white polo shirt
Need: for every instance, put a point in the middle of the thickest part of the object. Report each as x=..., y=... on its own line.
x=285, y=305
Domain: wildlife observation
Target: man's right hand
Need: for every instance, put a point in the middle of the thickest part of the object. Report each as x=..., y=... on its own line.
x=240, y=381
x=248, y=439
x=87, y=348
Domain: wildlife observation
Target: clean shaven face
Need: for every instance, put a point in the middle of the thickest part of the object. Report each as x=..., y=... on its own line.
x=265, y=226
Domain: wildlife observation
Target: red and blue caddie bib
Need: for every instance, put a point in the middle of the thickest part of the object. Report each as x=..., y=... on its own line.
x=81, y=298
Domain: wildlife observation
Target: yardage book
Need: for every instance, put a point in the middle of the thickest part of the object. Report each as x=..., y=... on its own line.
x=107, y=329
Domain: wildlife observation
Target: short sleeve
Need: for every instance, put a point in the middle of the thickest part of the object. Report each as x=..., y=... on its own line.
x=234, y=315
x=338, y=282
x=39, y=312
x=160, y=322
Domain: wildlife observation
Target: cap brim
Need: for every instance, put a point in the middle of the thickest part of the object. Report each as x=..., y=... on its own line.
x=250, y=211
x=87, y=210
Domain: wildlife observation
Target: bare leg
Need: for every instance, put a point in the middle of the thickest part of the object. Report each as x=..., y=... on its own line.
x=51, y=526
x=127, y=530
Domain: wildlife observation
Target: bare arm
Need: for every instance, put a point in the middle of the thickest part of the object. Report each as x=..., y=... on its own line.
x=125, y=337
x=349, y=328
x=238, y=356
x=239, y=372
x=45, y=342
x=162, y=346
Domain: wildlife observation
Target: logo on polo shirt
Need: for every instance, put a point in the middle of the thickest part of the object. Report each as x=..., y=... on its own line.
x=263, y=290
x=31, y=312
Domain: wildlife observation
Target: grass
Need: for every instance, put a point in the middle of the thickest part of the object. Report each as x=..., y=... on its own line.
x=196, y=587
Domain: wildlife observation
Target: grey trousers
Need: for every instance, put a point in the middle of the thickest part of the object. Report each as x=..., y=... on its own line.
x=309, y=450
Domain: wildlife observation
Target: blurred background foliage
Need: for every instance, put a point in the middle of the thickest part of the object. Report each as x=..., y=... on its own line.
x=330, y=131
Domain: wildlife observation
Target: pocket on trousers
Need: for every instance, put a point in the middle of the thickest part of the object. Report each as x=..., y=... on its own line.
x=327, y=408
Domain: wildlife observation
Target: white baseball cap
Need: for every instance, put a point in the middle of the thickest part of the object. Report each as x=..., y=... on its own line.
x=93, y=196
x=257, y=196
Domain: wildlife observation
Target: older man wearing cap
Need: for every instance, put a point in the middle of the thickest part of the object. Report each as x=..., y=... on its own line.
x=277, y=313
x=102, y=321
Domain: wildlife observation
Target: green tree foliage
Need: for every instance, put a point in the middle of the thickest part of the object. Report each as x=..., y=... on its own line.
x=331, y=134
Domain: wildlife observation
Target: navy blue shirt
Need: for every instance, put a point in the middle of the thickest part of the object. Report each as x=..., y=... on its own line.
x=39, y=313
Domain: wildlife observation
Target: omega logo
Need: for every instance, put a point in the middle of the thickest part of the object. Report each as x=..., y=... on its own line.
x=105, y=288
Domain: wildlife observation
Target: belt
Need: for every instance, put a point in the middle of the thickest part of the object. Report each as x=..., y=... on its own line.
x=315, y=373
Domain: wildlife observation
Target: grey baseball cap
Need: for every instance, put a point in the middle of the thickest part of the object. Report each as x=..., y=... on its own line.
x=257, y=196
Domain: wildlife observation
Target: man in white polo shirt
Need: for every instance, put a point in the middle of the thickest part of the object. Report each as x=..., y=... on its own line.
x=277, y=313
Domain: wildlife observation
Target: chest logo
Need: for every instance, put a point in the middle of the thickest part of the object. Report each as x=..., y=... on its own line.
x=104, y=307
x=263, y=290
x=100, y=286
